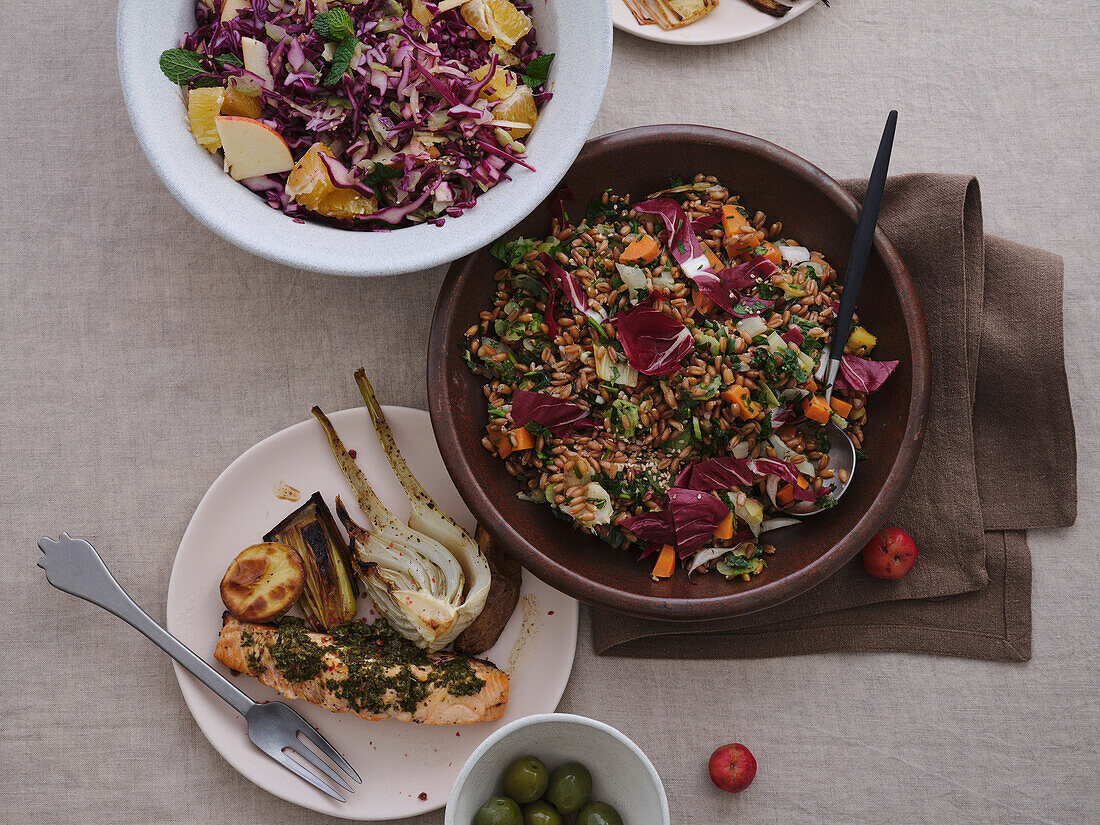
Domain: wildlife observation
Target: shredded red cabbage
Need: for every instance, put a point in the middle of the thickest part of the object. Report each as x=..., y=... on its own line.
x=558, y=416
x=404, y=121
x=861, y=375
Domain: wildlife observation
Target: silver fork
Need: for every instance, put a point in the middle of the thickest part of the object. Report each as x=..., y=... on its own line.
x=73, y=566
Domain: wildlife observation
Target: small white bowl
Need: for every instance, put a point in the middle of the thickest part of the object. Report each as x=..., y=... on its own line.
x=622, y=776
x=578, y=33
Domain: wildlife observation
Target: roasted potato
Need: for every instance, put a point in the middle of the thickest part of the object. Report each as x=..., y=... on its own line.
x=504, y=587
x=263, y=582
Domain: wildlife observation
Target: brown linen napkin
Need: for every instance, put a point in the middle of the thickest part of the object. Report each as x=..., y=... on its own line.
x=1000, y=400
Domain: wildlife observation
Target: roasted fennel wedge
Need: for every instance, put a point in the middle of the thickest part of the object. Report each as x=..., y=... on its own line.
x=416, y=582
x=427, y=517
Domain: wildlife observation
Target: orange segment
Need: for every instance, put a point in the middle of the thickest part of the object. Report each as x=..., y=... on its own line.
x=241, y=105
x=519, y=107
x=497, y=19
x=311, y=185
x=501, y=87
x=203, y=105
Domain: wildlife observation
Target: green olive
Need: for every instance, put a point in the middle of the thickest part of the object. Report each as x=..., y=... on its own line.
x=570, y=787
x=599, y=813
x=525, y=779
x=541, y=813
x=499, y=811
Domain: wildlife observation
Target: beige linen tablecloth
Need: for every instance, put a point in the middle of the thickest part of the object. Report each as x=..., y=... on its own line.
x=140, y=355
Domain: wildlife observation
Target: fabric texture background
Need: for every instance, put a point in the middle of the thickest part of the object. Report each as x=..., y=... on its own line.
x=139, y=355
x=981, y=312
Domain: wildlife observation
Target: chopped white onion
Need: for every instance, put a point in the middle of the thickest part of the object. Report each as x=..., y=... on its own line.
x=634, y=277
x=794, y=254
x=777, y=523
x=740, y=450
x=752, y=326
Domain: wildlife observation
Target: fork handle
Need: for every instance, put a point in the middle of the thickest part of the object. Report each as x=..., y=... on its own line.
x=80, y=572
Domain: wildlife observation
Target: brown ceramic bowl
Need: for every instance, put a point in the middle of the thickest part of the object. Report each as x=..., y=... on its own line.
x=815, y=210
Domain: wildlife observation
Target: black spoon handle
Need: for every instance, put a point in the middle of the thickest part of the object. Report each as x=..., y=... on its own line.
x=865, y=235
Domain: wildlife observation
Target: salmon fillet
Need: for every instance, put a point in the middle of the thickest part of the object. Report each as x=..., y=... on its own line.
x=358, y=681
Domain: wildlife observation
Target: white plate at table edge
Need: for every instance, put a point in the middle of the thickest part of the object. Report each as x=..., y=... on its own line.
x=397, y=760
x=733, y=20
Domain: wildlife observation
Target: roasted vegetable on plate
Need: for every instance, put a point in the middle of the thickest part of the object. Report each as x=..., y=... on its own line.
x=428, y=578
x=263, y=582
x=330, y=590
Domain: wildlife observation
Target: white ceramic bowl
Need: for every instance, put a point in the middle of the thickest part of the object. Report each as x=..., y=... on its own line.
x=622, y=775
x=578, y=33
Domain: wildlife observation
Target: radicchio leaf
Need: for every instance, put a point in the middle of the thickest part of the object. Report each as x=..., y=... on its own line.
x=723, y=287
x=748, y=274
x=861, y=375
x=695, y=516
x=569, y=285
x=654, y=528
x=793, y=336
x=785, y=414
x=683, y=245
x=653, y=342
x=706, y=222
x=560, y=417
x=727, y=473
x=556, y=206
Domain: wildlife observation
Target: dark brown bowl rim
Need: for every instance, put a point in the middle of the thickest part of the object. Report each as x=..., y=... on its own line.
x=442, y=337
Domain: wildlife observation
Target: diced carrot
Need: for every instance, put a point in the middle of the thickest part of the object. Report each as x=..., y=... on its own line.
x=734, y=221
x=642, y=251
x=701, y=301
x=815, y=409
x=666, y=562
x=739, y=397
x=773, y=254
x=712, y=259
x=521, y=439
x=785, y=494
x=842, y=407
x=724, y=530
x=810, y=385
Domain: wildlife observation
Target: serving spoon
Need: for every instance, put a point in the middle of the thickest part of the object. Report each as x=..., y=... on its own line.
x=842, y=452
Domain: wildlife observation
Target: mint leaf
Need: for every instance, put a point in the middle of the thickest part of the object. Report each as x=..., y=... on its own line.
x=341, y=59
x=381, y=173
x=334, y=24
x=538, y=70
x=229, y=59
x=181, y=65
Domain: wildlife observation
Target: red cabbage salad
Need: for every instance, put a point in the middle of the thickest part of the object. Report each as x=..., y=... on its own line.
x=655, y=373
x=364, y=115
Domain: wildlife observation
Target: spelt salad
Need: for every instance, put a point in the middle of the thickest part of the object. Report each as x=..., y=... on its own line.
x=363, y=114
x=654, y=375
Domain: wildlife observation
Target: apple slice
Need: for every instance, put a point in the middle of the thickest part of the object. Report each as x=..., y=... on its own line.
x=252, y=148
x=256, y=60
x=231, y=8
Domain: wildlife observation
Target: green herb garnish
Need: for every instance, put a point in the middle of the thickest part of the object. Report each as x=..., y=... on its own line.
x=182, y=66
x=334, y=24
x=537, y=71
x=341, y=60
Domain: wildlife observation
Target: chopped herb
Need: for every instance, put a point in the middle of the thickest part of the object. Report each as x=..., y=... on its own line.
x=334, y=24
x=537, y=71
x=183, y=67
x=341, y=60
